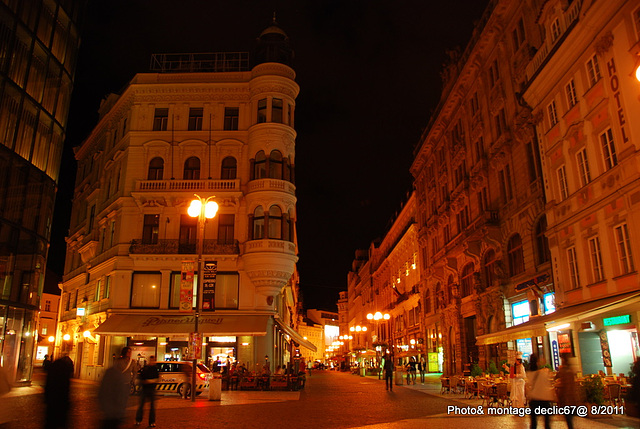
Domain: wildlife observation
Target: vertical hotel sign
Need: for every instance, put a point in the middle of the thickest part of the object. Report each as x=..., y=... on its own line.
x=209, y=285
x=186, y=287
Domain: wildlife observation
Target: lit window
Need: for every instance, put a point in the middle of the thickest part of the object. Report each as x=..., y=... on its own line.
x=520, y=312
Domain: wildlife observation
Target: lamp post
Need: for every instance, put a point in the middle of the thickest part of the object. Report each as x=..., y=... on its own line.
x=203, y=209
x=377, y=317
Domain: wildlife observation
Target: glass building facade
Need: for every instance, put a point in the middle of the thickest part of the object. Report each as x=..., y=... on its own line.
x=38, y=50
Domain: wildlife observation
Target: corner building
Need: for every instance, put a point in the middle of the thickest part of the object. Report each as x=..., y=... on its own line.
x=39, y=42
x=206, y=124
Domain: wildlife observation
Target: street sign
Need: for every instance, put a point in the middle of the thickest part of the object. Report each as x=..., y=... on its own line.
x=186, y=287
x=209, y=285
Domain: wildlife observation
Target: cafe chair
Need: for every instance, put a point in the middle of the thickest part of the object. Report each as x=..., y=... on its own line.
x=612, y=394
x=471, y=388
x=445, y=386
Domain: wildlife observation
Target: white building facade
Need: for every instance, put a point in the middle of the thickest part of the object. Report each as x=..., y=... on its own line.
x=204, y=124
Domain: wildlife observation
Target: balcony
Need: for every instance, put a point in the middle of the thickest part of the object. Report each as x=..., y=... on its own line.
x=278, y=246
x=271, y=185
x=187, y=185
x=173, y=246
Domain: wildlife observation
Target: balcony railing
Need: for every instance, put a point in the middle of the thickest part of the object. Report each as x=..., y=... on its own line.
x=271, y=185
x=174, y=246
x=188, y=185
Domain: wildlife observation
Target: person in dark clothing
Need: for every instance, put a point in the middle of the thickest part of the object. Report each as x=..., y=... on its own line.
x=113, y=396
x=46, y=363
x=388, y=371
x=56, y=393
x=148, y=379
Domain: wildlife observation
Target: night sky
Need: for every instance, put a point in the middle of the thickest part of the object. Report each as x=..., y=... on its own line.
x=369, y=73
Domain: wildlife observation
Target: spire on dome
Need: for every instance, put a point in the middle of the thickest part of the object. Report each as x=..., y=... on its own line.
x=273, y=45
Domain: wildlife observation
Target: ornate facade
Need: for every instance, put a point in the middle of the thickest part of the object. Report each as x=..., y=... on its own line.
x=205, y=124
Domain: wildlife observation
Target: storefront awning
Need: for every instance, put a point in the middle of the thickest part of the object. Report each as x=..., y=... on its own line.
x=209, y=324
x=537, y=326
x=295, y=335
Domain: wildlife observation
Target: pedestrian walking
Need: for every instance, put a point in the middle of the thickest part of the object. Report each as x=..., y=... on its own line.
x=567, y=389
x=56, y=393
x=46, y=363
x=518, y=377
x=388, y=371
x=149, y=380
x=540, y=391
x=186, y=390
x=113, y=395
x=422, y=367
x=128, y=366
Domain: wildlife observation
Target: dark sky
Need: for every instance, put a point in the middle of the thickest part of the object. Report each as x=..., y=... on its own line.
x=369, y=73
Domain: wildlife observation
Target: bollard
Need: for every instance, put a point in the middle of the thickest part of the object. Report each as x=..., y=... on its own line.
x=398, y=373
x=215, y=388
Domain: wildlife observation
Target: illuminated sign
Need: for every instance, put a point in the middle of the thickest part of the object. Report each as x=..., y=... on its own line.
x=549, y=300
x=520, y=312
x=617, y=320
x=80, y=311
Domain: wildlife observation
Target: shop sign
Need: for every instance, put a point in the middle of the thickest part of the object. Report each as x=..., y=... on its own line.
x=564, y=343
x=534, y=282
x=617, y=320
x=209, y=285
x=524, y=345
x=555, y=354
x=606, y=352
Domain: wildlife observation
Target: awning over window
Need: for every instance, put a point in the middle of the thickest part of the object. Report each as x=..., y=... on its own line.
x=295, y=335
x=208, y=324
x=537, y=326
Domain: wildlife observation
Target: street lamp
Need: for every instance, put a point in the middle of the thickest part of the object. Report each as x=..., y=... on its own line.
x=203, y=209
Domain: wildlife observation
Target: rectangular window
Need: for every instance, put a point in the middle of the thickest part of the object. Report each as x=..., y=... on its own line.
x=501, y=123
x=45, y=329
x=112, y=233
x=596, y=259
x=636, y=21
x=67, y=302
x=520, y=312
x=562, y=183
x=623, y=245
x=47, y=305
x=494, y=74
x=593, y=70
x=475, y=105
x=276, y=110
x=195, y=119
x=583, y=167
x=447, y=234
x=124, y=127
x=231, y=117
x=187, y=237
x=518, y=34
x=570, y=90
x=552, y=113
x=227, y=290
x=92, y=216
x=75, y=299
x=483, y=201
x=505, y=184
x=151, y=229
x=226, y=228
x=160, y=119
x=555, y=30
x=98, y=295
x=107, y=287
x=531, y=162
x=479, y=149
x=262, y=110
x=608, y=149
x=145, y=290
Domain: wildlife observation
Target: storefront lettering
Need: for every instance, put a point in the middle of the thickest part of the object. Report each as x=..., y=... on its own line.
x=156, y=321
x=615, y=87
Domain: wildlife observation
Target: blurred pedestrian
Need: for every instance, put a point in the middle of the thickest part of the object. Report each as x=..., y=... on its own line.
x=518, y=377
x=540, y=391
x=5, y=387
x=633, y=398
x=46, y=363
x=113, y=395
x=128, y=366
x=149, y=380
x=388, y=371
x=567, y=388
x=422, y=367
x=186, y=389
x=57, y=393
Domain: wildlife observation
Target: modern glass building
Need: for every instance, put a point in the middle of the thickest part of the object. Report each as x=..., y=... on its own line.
x=38, y=49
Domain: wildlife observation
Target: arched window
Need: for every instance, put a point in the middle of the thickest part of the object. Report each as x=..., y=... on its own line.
x=466, y=280
x=260, y=166
x=258, y=224
x=156, y=169
x=275, y=222
x=191, y=169
x=488, y=265
x=287, y=226
x=229, y=168
x=516, y=255
x=275, y=164
x=542, y=244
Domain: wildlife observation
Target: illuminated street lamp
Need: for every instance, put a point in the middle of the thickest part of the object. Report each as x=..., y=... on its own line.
x=203, y=209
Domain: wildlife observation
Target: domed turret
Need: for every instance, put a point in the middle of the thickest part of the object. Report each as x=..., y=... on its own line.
x=273, y=45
